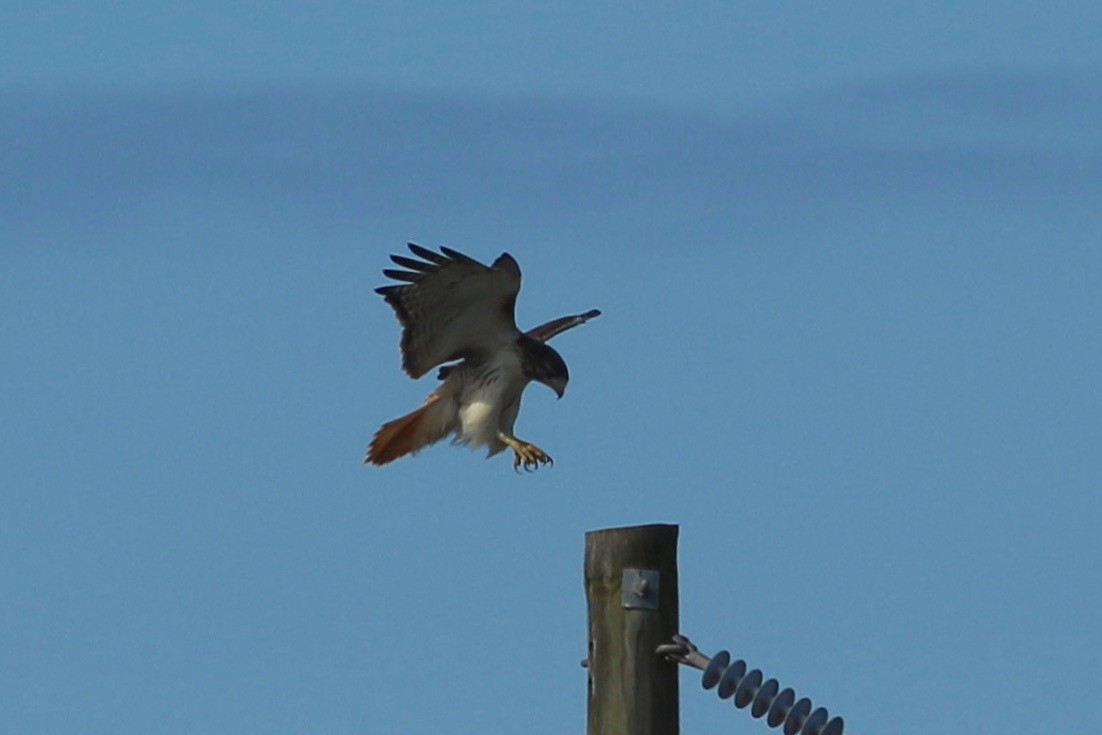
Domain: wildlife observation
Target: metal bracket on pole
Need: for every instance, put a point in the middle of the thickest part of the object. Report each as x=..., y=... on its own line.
x=639, y=589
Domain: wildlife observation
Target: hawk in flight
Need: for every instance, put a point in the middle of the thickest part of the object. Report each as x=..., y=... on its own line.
x=454, y=308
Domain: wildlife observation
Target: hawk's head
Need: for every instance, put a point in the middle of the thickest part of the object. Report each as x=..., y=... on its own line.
x=541, y=363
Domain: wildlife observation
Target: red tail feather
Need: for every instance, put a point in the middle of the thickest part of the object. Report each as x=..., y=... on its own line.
x=397, y=438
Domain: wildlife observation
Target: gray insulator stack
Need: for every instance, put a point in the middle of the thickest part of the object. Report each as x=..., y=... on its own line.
x=767, y=699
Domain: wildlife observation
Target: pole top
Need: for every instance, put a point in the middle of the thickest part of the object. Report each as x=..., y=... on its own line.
x=653, y=527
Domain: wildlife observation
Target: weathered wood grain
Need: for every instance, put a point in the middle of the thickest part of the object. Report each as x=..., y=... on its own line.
x=632, y=691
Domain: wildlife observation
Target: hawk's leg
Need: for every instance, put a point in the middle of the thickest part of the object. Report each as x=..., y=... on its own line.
x=525, y=455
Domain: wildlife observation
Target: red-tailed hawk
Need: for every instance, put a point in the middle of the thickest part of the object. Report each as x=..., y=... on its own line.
x=454, y=308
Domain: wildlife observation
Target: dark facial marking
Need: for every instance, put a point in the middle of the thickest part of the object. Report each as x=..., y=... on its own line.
x=540, y=361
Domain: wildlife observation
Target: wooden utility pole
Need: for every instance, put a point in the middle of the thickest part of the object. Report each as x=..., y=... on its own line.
x=631, y=592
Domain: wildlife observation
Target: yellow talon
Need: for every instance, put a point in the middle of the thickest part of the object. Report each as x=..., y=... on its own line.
x=526, y=455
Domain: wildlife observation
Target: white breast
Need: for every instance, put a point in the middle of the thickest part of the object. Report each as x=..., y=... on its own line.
x=484, y=395
x=479, y=422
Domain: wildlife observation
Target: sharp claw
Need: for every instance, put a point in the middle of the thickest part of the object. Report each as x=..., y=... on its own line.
x=529, y=457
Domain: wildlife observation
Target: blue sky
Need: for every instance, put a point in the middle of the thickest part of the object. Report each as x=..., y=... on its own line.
x=848, y=261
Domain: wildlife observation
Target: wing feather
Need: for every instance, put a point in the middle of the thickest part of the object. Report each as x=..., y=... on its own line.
x=427, y=254
x=457, y=256
x=546, y=331
x=413, y=265
x=398, y=275
x=451, y=306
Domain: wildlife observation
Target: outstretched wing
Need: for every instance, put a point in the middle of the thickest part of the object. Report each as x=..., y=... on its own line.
x=546, y=331
x=451, y=306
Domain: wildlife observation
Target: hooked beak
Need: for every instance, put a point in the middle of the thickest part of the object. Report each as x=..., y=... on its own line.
x=559, y=386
